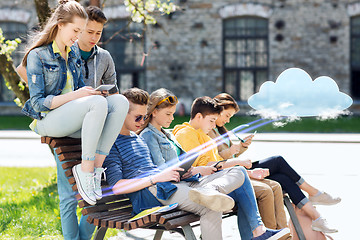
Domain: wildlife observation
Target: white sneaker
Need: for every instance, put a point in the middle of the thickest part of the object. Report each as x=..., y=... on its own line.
x=324, y=199
x=321, y=225
x=85, y=184
x=211, y=199
x=97, y=180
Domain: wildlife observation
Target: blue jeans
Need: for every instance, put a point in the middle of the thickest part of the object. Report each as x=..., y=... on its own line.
x=71, y=229
x=248, y=215
x=288, y=178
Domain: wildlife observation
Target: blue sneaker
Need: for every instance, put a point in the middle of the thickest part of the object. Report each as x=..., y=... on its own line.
x=271, y=234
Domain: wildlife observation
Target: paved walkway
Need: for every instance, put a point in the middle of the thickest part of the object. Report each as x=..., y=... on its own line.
x=327, y=161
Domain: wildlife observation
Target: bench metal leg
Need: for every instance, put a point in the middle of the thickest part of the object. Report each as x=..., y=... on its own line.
x=294, y=218
x=158, y=234
x=189, y=233
x=100, y=233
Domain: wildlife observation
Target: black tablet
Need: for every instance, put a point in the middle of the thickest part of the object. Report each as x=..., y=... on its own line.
x=186, y=165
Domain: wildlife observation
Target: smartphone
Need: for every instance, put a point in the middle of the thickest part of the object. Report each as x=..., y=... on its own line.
x=245, y=139
x=216, y=165
x=105, y=87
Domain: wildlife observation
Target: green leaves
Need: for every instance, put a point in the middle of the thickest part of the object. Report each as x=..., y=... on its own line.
x=8, y=46
x=144, y=10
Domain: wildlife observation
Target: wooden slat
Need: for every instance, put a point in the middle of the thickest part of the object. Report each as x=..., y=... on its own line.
x=64, y=149
x=133, y=225
x=169, y=216
x=66, y=141
x=43, y=139
x=118, y=221
x=68, y=172
x=146, y=219
x=105, y=207
x=140, y=222
x=48, y=140
x=127, y=225
x=181, y=221
x=71, y=180
x=114, y=215
x=70, y=164
x=70, y=156
x=106, y=199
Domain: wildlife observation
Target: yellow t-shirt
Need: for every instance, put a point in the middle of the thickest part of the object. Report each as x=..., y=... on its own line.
x=69, y=86
x=190, y=138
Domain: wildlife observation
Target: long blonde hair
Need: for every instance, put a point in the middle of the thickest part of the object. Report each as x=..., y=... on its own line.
x=64, y=13
x=155, y=98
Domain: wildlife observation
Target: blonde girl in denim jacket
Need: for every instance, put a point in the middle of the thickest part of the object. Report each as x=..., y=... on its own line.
x=61, y=105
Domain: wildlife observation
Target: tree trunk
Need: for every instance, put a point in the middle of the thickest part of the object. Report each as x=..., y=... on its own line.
x=7, y=70
x=95, y=3
x=43, y=11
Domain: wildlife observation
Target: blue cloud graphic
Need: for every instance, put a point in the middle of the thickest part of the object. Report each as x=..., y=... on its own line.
x=295, y=94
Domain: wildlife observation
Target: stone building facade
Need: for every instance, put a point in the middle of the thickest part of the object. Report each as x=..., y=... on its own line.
x=208, y=47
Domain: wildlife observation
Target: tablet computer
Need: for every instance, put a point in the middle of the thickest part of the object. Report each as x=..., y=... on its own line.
x=105, y=87
x=186, y=165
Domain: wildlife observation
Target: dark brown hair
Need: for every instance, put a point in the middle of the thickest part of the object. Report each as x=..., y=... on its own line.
x=96, y=14
x=226, y=101
x=205, y=106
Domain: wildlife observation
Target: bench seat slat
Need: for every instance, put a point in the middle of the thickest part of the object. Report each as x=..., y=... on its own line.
x=65, y=149
x=70, y=164
x=169, y=216
x=105, y=207
x=105, y=199
x=70, y=156
x=181, y=221
x=123, y=214
x=66, y=141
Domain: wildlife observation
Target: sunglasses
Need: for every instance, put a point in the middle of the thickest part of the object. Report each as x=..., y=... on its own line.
x=170, y=99
x=138, y=118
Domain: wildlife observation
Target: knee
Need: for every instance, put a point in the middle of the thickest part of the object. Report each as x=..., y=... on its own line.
x=280, y=159
x=263, y=192
x=118, y=102
x=240, y=172
x=97, y=102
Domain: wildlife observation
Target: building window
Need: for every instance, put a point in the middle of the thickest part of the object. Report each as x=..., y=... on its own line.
x=126, y=48
x=245, y=55
x=355, y=57
x=12, y=30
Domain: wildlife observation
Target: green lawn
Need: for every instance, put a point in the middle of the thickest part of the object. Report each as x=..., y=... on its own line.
x=29, y=204
x=14, y=122
x=346, y=124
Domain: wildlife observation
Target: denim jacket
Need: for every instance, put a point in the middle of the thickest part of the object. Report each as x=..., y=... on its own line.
x=47, y=75
x=162, y=151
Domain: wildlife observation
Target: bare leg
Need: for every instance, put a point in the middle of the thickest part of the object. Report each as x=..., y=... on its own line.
x=309, y=189
x=309, y=209
x=87, y=166
x=99, y=159
x=259, y=231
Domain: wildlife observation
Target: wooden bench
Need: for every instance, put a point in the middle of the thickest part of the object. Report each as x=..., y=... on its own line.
x=114, y=211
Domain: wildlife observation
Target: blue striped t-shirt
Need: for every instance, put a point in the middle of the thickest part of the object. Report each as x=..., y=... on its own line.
x=129, y=158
